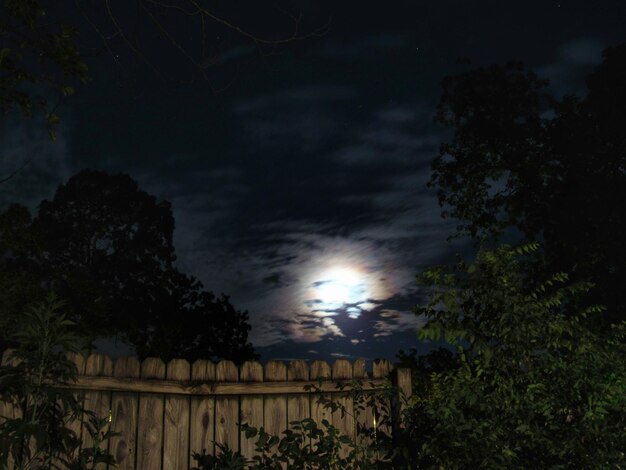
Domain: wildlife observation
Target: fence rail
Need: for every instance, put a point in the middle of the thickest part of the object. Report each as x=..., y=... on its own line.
x=165, y=412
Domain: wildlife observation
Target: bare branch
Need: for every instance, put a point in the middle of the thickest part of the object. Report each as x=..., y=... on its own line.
x=318, y=33
x=15, y=172
x=129, y=43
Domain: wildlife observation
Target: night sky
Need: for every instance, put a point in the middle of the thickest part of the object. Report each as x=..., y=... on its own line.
x=297, y=174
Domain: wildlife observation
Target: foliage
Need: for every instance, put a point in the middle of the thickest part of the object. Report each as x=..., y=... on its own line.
x=552, y=169
x=422, y=367
x=307, y=446
x=535, y=387
x=33, y=380
x=107, y=248
x=37, y=57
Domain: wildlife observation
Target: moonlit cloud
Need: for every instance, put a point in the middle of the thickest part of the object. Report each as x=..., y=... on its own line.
x=47, y=162
x=282, y=270
x=573, y=60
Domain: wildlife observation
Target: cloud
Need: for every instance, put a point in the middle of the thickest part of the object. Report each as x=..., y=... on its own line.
x=46, y=164
x=303, y=119
x=365, y=47
x=387, y=146
x=273, y=279
x=264, y=232
x=574, y=60
x=584, y=51
x=397, y=115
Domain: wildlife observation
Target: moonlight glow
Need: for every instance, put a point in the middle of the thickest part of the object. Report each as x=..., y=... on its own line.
x=339, y=286
x=343, y=280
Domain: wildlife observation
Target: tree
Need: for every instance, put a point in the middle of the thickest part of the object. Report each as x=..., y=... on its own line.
x=535, y=388
x=35, y=54
x=41, y=57
x=106, y=248
x=552, y=169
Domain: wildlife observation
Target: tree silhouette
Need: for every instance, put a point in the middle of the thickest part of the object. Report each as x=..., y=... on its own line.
x=552, y=168
x=105, y=247
x=41, y=57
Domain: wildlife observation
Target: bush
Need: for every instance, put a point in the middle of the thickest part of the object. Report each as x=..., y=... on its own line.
x=33, y=380
x=325, y=451
x=536, y=388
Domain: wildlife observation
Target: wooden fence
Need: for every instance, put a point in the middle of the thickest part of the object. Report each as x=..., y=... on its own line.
x=164, y=412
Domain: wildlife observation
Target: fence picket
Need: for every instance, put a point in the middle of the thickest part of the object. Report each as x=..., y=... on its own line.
x=320, y=370
x=7, y=409
x=342, y=372
x=251, y=406
x=365, y=417
x=97, y=401
x=202, y=426
x=124, y=415
x=381, y=370
x=298, y=406
x=75, y=425
x=227, y=408
x=163, y=416
x=176, y=421
x=275, y=407
x=150, y=421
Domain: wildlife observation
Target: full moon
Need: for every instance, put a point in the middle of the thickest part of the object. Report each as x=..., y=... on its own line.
x=338, y=286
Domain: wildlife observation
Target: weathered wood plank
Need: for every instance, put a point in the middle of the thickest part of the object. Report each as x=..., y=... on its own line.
x=275, y=408
x=298, y=405
x=7, y=409
x=405, y=390
x=200, y=388
x=343, y=421
x=381, y=370
x=202, y=426
x=204, y=403
x=150, y=421
x=227, y=408
x=364, y=414
x=98, y=401
x=251, y=406
x=176, y=421
x=124, y=407
x=321, y=370
x=75, y=425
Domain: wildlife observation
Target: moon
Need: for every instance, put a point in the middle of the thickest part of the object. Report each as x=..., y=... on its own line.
x=340, y=285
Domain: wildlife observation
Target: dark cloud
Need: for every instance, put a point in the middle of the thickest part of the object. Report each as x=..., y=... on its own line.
x=573, y=61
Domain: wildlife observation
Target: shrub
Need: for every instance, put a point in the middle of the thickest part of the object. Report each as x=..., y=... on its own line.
x=536, y=387
x=33, y=380
x=293, y=451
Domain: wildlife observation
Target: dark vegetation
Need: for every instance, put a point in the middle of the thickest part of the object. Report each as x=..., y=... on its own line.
x=539, y=379
x=105, y=247
x=551, y=169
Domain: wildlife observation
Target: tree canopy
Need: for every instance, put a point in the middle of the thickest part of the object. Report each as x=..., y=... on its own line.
x=533, y=387
x=105, y=247
x=553, y=169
